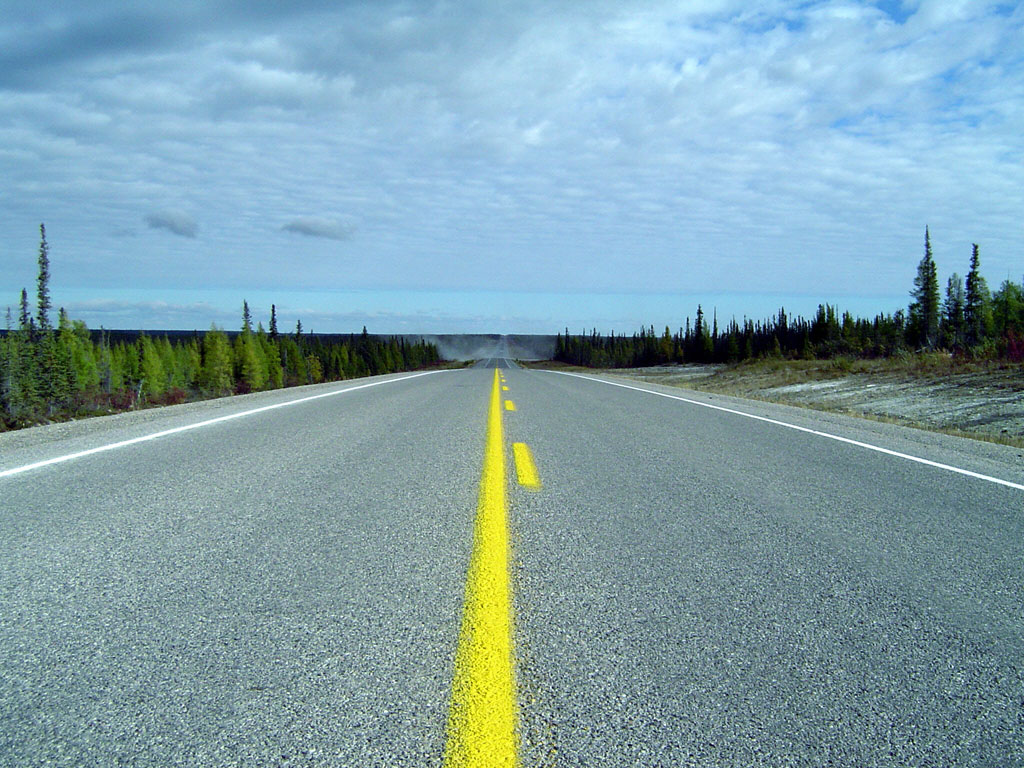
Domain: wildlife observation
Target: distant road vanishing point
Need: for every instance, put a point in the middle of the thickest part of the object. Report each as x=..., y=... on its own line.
x=506, y=566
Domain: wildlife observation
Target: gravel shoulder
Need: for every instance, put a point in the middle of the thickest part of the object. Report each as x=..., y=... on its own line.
x=979, y=401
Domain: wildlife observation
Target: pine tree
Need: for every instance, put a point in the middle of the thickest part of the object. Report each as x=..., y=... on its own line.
x=246, y=317
x=273, y=322
x=924, y=311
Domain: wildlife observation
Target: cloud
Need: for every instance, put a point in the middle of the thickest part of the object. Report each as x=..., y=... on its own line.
x=313, y=227
x=177, y=222
x=631, y=146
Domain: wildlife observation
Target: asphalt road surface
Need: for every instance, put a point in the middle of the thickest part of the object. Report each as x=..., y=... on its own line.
x=690, y=586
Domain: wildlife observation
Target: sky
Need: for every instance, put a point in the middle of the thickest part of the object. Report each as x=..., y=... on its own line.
x=483, y=167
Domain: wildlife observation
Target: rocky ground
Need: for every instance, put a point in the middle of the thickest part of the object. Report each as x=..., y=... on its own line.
x=978, y=400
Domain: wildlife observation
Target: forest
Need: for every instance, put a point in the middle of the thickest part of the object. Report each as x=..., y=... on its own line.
x=65, y=371
x=967, y=320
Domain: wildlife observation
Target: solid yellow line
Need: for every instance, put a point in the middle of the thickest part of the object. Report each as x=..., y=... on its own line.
x=526, y=470
x=509, y=405
x=483, y=714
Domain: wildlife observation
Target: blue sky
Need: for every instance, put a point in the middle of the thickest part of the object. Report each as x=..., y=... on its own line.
x=466, y=167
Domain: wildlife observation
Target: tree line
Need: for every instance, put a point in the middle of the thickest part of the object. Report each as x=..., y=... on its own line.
x=49, y=372
x=970, y=320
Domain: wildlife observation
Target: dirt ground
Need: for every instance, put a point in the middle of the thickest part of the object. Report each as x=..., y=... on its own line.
x=985, y=401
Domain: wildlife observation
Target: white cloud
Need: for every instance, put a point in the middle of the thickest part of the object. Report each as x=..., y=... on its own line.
x=635, y=146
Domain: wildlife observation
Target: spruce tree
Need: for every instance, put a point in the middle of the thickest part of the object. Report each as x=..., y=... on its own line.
x=25, y=322
x=64, y=382
x=977, y=303
x=246, y=317
x=924, y=311
x=953, y=312
x=273, y=322
x=43, y=284
x=20, y=393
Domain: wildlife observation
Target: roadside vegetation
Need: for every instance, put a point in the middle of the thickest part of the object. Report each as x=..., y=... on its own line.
x=970, y=323
x=52, y=373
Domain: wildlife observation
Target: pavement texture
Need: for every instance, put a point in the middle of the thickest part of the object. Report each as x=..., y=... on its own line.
x=690, y=587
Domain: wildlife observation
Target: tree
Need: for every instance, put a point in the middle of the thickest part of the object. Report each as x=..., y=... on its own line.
x=250, y=366
x=271, y=355
x=1008, y=310
x=216, y=374
x=246, y=317
x=977, y=304
x=273, y=322
x=43, y=284
x=25, y=321
x=65, y=382
x=924, y=311
x=18, y=392
x=953, y=313
x=153, y=375
x=24, y=398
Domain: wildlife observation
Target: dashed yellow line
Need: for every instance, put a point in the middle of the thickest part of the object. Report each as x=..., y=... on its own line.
x=526, y=469
x=483, y=713
x=504, y=389
x=509, y=405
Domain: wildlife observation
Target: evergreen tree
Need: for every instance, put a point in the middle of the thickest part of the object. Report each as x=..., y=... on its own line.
x=953, y=313
x=246, y=317
x=24, y=318
x=49, y=379
x=43, y=284
x=924, y=311
x=65, y=383
x=273, y=322
x=18, y=397
x=23, y=399
x=271, y=355
x=1008, y=310
x=977, y=304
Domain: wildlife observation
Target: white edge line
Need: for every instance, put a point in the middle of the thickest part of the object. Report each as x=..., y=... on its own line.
x=198, y=424
x=830, y=436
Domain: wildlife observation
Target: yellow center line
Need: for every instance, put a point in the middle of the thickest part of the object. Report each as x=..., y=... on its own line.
x=526, y=469
x=509, y=405
x=483, y=714
x=504, y=389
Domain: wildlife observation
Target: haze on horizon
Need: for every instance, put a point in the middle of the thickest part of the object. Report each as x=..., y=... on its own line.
x=432, y=167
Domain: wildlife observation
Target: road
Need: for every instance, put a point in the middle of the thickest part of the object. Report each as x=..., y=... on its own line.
x=690, y=586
